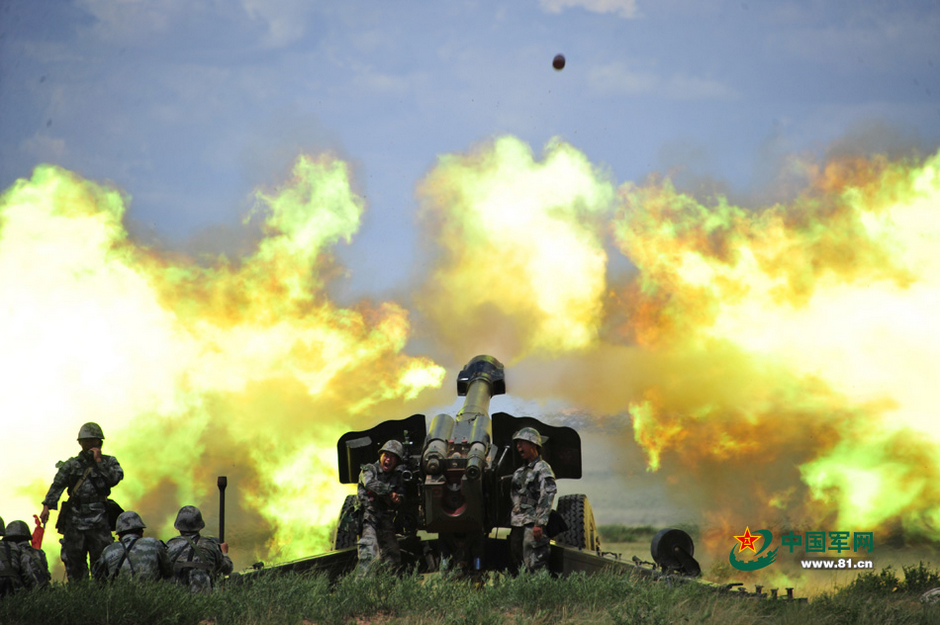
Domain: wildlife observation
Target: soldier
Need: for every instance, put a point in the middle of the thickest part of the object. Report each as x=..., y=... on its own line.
x=133, y=555
x=34, y=569
x=83, y=522
x=533, y=492
x=10, y=577
x=377, y=498
x=198, y=561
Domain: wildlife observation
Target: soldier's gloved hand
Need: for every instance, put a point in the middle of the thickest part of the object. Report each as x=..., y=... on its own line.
x=537, y=532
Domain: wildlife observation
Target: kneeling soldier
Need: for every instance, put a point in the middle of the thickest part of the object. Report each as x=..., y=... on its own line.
x=133, y=555
x=10, y=579
x=198, y=561
x=34, y=569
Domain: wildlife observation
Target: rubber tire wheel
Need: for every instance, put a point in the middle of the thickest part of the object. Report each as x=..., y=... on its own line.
x=582, y=530
x=344, y=537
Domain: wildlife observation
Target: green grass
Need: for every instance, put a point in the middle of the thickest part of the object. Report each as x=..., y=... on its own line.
x=625, y=534
x=882, y=598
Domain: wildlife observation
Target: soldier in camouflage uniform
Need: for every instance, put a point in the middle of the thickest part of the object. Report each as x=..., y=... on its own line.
x=133, y=555
x=10, y=568
x=533, y=492
x=198, y=561
x=34, y=569
x=377, y=498
x=84, y=525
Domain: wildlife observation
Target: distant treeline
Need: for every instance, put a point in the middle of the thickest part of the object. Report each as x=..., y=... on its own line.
x=625, y=533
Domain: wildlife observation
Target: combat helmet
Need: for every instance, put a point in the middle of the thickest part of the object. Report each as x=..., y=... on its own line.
x=394, y=447
x=528, y=434
x=189, y=519
x=91, y=430
x=18, y=530
x=2, y=527
x=127, y=521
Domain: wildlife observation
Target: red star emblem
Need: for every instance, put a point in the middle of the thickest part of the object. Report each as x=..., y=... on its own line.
x=747, y=540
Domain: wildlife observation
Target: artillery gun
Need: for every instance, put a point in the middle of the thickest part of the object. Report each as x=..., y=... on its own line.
x=456, y=476
x=455, y=482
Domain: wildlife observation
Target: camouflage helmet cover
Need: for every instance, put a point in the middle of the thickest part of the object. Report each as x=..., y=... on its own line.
x=528, y=434
x=2, y=528
x=127, y=521
x=189, y=519
x=91, y=430
x=393, y=447
x=18, y=529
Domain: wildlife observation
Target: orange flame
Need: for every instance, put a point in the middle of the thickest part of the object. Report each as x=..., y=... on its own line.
x=776, y=363
x=241, y=369
x=802, y=346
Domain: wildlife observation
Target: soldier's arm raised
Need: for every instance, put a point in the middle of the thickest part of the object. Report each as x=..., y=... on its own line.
x=225, y=566
x=110, y=470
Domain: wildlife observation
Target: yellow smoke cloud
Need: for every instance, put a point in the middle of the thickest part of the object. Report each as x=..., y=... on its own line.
x=240, y=368
x=522, y=267
x=803, y=343
x=772, y=361
x=775, y=363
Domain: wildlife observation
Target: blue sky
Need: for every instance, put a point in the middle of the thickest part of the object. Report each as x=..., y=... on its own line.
x=189, y=105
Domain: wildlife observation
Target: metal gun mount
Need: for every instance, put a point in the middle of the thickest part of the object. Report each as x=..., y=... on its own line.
x=459, y=462
x=455, y=473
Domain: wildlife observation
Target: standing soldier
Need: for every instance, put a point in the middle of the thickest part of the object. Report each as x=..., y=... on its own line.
x=34, y=569
x=198, y=561
x=377, y=497
x=133, y=555
x=10, y=569
x=83, y=521
x=533, y=492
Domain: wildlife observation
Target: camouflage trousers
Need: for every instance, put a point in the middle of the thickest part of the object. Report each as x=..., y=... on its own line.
x=78, y=546
x=377, y=544
x=526, y=550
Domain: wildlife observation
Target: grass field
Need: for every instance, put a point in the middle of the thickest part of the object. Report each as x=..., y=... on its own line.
x=886, y=596
x=428, y=600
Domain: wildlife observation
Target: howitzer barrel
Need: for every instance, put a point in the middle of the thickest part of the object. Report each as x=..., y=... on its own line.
x=479, y=381
x=456, y=450
x=442, y=426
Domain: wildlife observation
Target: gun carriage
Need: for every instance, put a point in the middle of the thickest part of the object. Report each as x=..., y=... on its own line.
x=455, y=482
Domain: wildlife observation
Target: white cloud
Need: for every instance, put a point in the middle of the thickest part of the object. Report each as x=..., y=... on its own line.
x=278, y=23
x=617, y=78
x=623, y=8
x=285, y=20
x=123, y=20
x=41, y=148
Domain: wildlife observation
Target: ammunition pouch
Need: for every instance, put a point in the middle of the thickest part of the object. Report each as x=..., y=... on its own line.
x=114, y=510
x=556, y=524
x=61, y=521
